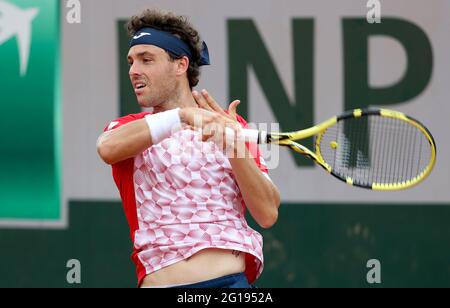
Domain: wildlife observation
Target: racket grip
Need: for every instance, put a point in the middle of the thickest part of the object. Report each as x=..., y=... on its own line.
x=255, y=136
x=250, y=135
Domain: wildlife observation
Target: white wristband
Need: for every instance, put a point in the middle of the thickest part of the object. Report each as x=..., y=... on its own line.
x=163, y=124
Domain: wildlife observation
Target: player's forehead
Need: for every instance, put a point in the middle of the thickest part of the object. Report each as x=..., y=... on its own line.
x=141, y=50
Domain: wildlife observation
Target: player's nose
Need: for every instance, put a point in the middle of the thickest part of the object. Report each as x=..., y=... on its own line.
x=135, y=70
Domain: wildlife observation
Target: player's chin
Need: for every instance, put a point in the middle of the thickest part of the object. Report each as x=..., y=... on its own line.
x=143, y=101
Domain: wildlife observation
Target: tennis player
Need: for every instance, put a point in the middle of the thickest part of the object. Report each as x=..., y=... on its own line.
x=183, y=194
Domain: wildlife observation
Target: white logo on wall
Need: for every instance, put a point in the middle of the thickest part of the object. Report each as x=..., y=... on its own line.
x=74, y=14
x=374, y=14
x=15, y=21
x=74, y=274
x=374, y=275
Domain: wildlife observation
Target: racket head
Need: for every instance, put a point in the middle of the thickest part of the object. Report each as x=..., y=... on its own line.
x=377, y=149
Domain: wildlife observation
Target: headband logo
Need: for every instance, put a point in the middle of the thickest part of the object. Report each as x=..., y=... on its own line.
x=141, y=35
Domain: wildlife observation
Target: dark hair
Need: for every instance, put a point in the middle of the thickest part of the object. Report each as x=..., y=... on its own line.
x=177, y=25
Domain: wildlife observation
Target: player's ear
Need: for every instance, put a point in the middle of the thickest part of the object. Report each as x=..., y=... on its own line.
x=183, y=65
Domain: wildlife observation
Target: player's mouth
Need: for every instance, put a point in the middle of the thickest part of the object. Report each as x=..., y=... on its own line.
x=139, y=87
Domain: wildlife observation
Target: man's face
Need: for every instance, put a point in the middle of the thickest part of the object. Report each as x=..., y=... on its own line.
x=152, y=74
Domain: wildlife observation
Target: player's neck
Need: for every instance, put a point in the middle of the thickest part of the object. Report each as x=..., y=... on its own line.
x=183, y=99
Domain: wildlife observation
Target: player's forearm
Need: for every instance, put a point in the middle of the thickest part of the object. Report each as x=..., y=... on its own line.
x=131, y=139
x=261, y=196
x=124, y=142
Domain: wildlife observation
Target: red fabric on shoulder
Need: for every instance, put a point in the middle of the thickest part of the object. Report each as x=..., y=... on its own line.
x=124, y=120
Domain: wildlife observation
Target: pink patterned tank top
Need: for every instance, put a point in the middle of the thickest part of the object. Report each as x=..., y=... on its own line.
x=186, y=199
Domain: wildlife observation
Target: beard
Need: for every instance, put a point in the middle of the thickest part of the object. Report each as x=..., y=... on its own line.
x=157, y=95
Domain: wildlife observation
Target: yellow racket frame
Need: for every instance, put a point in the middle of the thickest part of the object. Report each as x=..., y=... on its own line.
x=287, y=139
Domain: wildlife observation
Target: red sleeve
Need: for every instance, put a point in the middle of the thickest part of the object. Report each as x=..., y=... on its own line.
x=124, y=120
x=254, y=149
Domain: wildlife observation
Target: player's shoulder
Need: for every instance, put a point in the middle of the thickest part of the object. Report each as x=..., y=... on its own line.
x=124, y=120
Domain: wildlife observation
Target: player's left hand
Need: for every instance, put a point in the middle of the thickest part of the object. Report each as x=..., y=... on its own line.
x=206, y=101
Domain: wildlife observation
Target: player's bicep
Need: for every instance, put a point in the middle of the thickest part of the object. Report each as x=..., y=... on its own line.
x=263, y=167
x=259, y=159
x=253, y=148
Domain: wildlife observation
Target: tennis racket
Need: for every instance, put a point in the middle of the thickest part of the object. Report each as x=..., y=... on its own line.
x=377, y=149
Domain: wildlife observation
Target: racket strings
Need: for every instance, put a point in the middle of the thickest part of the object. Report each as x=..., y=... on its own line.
x=374, y=149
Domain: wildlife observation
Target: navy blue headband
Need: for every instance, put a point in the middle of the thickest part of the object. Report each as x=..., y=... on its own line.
x=168, y=42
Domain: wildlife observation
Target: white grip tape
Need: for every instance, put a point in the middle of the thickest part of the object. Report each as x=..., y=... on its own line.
x=249, y=135
x=163, y=124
